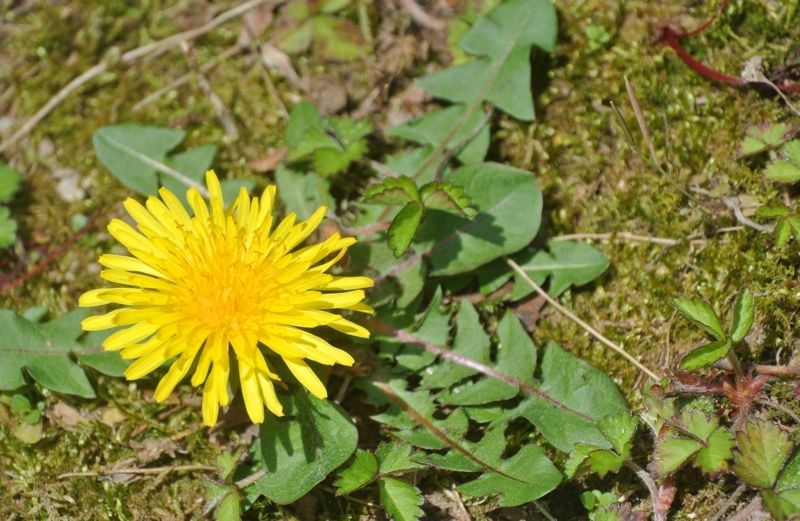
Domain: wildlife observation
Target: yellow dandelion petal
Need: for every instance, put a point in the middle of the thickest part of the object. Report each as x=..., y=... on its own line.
x=219, y=290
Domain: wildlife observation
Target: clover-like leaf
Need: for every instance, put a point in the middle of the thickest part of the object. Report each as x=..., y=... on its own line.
x=700, y=312
x=705, y=355
x=392, y=191
x=743, y=314
x=447, y=197
x=672, y=452
x=787, y=168
x=763, y=449
x=765, y=136
x=405, y=225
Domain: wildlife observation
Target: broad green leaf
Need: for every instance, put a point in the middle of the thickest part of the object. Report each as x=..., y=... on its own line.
x=580, y=396
x=226, y=464
x=501, y=74
x=300, y=449
x=401, y=500
x=192, y=163
x=672, y=452
x=516, y=357
x=509, y=205
x=787, y=168
x=8, y=228
x=764, y=136
x=535, y=475
x=363, y=468
x=404, y=227
x=433, y=326
x=488, y=449
x=701, y=312
x=763, y=449
x=470, y=342
x=43, y=350
x=302, y=192
x=9, y=182
x=395, y=457
x=568, y=263
x=705, y=355
x=415, y=162
x=454, y=426
x=743, y=314
x=131, y=153
x=447, y=197
x=306, y=131
x=106, y=362
x=784, y=500
x=432, y=128
x=392, y=191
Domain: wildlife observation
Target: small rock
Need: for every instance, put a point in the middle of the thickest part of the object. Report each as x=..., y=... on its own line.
x=69, y=185
x=46, y=148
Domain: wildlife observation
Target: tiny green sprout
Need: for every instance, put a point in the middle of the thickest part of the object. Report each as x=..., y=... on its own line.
x=597, y=35
x=787, y=223
x=701, y=313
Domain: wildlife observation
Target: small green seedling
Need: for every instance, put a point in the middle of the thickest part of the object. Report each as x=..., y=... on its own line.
x=701, y=313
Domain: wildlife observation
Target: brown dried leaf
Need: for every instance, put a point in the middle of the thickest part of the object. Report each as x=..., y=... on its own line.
x=268, y=162
x=148, y=451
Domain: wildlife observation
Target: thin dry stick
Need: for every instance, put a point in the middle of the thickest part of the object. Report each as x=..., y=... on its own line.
x=572, y=316
x=421, y=17
x=637, y=109
x=263, y=70
x=728, y=503
x=252, y=478
x=149, y=470
x=621, y=235
x=126, y=58
x=228, y=53
x=222, y=110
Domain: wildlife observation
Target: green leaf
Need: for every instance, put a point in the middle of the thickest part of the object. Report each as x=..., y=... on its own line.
x=783, y=232
x=743, y=314
x=763, y=448
x=714, y=457
x=447, y=197
x=302, y=192
x=295, y=39
x=706, y=355
x=192, y=163
x=433, y=326
x=229, y=508
x=8, y=228
x=401, y=500
x=764, y=136
x=619, y=429
x=568, y=263
x=603, y=461
x=672, y=452
x=300, y=449
x=432, y=128
x=395, y=458
x=106, y=362
x=772, y=211
x=404, y=227
x=579, y=453
x=130, y=152
x=502, y=74
x=9, y=182
x=471, y=341
x=583, y=395
x=534, y=475
x=509, y=205
x=700, y=312
x=516, y=357
x=362, y=469
x=392, y=191
x=787, y=168
x=43, y=351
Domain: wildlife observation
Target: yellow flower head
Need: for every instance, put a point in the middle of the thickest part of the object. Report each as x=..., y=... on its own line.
x=194, y=286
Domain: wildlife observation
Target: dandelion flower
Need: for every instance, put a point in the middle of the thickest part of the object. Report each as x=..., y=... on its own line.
x=223, y=287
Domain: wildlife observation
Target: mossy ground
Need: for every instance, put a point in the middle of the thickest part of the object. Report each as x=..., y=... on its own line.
x=593, y=178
